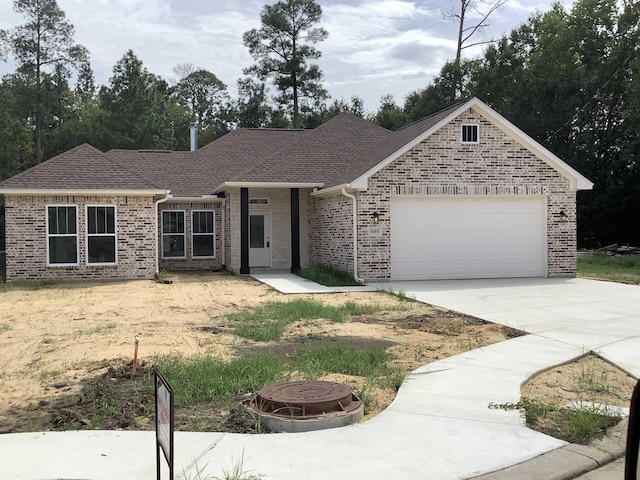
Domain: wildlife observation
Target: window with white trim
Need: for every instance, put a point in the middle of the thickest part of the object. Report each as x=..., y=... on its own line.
x=101, y=235
x=203, y=233
x=470, y=133
x=62, y=235
x=173, y=234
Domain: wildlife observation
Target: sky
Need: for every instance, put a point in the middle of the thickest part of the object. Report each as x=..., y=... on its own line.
x=375, y=47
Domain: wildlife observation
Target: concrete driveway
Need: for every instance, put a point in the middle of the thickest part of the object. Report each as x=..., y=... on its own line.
x=603, y=317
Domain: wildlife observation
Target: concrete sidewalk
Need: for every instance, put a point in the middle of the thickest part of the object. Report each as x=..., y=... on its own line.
x=439, y=426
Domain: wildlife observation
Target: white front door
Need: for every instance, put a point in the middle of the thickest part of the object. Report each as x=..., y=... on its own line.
x=259, y=240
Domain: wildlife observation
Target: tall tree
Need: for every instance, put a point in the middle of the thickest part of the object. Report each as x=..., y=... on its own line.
x=283, y=48
x=466, y=31
x=44, y=45
x=201, y=92
x=137, y=103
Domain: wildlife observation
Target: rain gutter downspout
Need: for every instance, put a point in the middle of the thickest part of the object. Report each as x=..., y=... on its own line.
x=158, y=202
x=355, y=234
x=224, y=233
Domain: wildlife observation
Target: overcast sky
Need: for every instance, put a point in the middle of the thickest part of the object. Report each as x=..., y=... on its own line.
x=374, y=46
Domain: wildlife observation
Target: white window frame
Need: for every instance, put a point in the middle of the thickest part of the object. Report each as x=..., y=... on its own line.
x=114, y=234
x=184, y=234
x=477, y=128
x=213, y=234
x=49, y=235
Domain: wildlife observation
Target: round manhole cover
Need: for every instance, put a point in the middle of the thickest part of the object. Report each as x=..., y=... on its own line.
x=305, y=398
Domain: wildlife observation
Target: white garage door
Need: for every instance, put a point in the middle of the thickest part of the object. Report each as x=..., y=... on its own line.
x=468, y=237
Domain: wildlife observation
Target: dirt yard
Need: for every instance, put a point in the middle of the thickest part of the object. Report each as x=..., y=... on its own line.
x=57, y=339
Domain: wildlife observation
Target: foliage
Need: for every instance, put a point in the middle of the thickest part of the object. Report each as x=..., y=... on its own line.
x=139, y=109
x=328, y=276
x=44, y=50
x=203, y=377
x=203, y=95
x=624, y=268
x=283, y=47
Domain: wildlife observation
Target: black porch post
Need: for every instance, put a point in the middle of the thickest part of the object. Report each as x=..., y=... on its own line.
x=295, y=230
x=244, y=231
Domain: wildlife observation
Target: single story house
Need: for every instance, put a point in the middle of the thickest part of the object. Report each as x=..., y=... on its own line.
x=460, y=194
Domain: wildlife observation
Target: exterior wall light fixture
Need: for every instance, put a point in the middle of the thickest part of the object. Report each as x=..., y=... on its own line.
x=563, y=215
x=375, y=216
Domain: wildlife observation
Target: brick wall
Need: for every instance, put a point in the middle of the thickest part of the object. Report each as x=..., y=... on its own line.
x=190, y=262
x=331, y=234
x=442, y=165
x=26, y=220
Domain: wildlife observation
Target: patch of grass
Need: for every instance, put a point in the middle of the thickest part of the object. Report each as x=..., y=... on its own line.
x=623, y=268
x=4, y=327
x=399, y=294
x=341, y=358
x=204, y=378
x=578, y=423
x=98, y=330
x=270, y=321
x=328, y=276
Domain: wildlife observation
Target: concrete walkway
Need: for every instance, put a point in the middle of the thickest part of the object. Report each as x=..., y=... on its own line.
x=439, y=426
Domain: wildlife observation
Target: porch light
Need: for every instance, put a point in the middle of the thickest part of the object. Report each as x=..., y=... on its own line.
x=563, y=215
x=375, y=216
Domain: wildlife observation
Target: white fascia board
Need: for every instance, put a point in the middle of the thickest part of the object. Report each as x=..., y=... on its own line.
x=336, y=190
x=362, y=181
x=68, y=191
x=225, y=185
x=578, y=181
x=202, y=199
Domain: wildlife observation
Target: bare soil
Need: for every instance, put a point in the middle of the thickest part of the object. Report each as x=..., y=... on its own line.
x=66, y=350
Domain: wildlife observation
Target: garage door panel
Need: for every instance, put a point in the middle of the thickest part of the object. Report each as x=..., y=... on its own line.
x=467, y=237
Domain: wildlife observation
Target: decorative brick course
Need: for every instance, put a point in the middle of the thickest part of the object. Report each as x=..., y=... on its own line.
x=442, y=165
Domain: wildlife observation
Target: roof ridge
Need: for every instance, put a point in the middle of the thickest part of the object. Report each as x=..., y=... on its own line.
x=450, y=107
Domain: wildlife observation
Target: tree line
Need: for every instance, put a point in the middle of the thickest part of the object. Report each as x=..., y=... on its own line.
x=568, y=77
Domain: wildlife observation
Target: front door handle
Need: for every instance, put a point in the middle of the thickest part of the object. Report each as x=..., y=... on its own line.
x=267, y=243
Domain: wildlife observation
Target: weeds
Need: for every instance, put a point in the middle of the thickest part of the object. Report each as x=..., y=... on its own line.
x=399, y=294
x=269, y=322
x=4, y=327
x=582, y=420
x=328, y=276
x=98, y=330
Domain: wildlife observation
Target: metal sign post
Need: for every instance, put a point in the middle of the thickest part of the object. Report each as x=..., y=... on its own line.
x=164, y=422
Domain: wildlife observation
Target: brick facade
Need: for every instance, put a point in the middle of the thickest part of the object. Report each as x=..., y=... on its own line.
x=26, y=227
x=442, y=165
x=189, y=262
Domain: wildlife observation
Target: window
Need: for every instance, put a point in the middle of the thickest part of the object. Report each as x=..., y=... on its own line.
x=62, y=235
x=203, y=233
x=173, y=234
x=470, y=134
x=101, y=235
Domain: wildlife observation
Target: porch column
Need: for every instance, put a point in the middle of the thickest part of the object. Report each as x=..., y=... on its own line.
x=244, y=231
x=295, y=230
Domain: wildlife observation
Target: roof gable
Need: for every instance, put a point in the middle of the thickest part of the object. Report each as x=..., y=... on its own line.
x=420, y=131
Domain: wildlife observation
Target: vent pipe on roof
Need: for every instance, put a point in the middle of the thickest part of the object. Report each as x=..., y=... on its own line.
x=194, y=136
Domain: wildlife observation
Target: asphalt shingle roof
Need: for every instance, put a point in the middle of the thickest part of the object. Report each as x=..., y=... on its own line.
x=337, y=152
